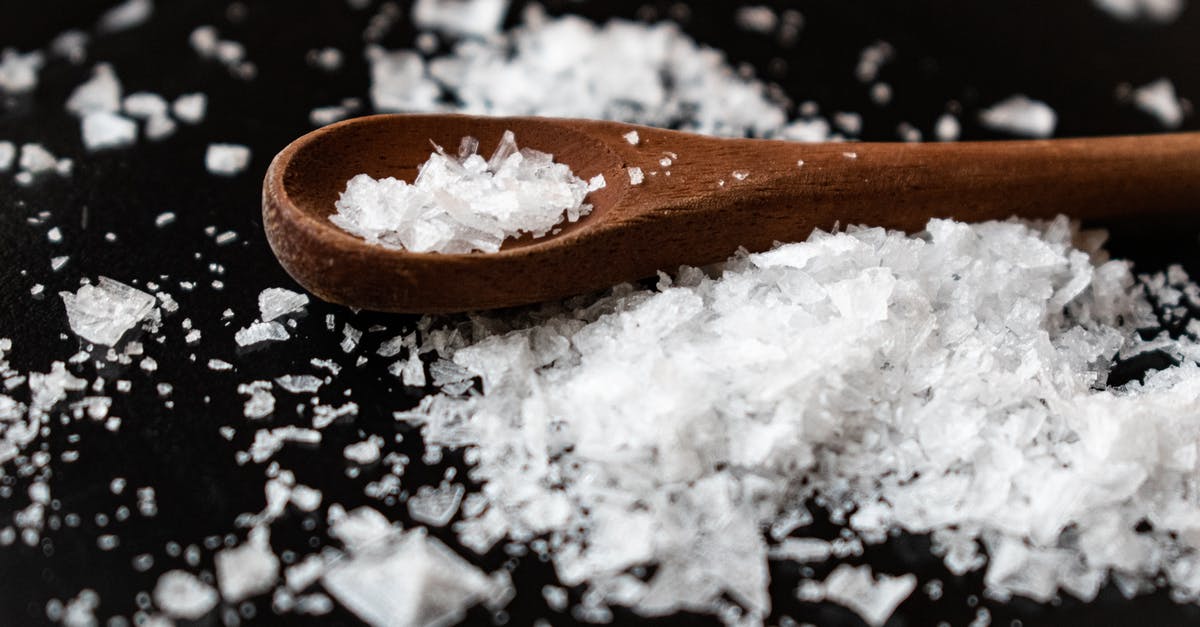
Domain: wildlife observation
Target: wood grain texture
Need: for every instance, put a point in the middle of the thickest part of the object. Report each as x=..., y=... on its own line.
x=694, y=211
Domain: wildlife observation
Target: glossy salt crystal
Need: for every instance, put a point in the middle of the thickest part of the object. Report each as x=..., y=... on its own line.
x=104, y=129
x=275, y=302
x=247, y=570
x=409, y=579
x=460, y=17
x=1020, y=115
x=261, y=332
x=300, y=384
x=104, y=312
x=435, y=506
x=261, y=403
x=947, y=128
x=180, y=594
x=464, y=203
x=35, y=159
x=1162, y=11
x=226, y=159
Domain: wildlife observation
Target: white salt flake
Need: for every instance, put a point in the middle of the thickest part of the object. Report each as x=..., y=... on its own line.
x=19, y=71
x=636, y=176
x=410, y=579
x=261, y=332
x=100, y=93
x=226, y=159
x=8, y=154
x=276, y=302
x=435, y=506
x=947, y=128
x=632, y=138
x=190, y=108
x=300, y=384
x=183, y=595
x=1159, y=100
x=460, y=17
x=128, y=14
x=247, y=570
x=104, y=312
x=873, y=599
x=104, y=129
x=1160, y=11
x=1020, y=115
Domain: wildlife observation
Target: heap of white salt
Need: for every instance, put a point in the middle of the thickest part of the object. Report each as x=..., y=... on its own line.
x=102, y=313
x=466, y=203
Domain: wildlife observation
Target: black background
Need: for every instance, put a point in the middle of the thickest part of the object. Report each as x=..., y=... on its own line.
x=976, y=53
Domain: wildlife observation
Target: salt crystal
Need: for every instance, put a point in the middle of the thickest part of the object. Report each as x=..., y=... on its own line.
x=182, y=595
x=947, y=128
x=464, y=204
x=261, y=403
x=247, y=570
x=226, y=237
x=71, y=45
x=299, y=384
x=435, y=506
x=635, y=175
x=261, y=332
x=363, y=453
x=1159, y=100
x=874, y=600
x=164, y=218
x=1161, y=11
x=104, y=312
x=327, y=59
x=275, y=302
x=57, y=263
x=460, y=17
x=411, y=579
x=219, y=365
x=128, y=14
x=226, y=159
x=871, y=59
x=802, y=550
x=8, y=154
x=756, y=18
x=104, y=129
x=35, y=159
x=189, y=108
x=54, y=235
x=740, y=175
x=19, y=71
x=144, y=105
x=1020, y=115
x=100, y=93
x=632, y=137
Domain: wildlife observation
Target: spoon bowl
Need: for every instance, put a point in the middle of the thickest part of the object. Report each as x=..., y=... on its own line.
x=702, y=199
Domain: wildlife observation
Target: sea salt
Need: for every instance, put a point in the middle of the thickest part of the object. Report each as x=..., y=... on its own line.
x=182, y=595
x=226, y=159
x=435, y=506
x=247, y=570
x=632, y=138
x=363, y=453
x=460, y=17
x=259, y=332
x=104, y=129
x=947, y=128
x=756, y=19
x=164, y=218
x=276, y=302
x=1159, y=100
x=873, y=599
x=409, y=579
x=8, y=154
x=636, y=176
x=190, y=108
x=1020, y=115
x=464, y=203
x=1161, y=11
x=100, y=93
x=19, y=71
x=126, y=15
x=104, y=312
x=299, y=384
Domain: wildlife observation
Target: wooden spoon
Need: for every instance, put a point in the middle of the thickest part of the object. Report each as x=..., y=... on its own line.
x=702, y=198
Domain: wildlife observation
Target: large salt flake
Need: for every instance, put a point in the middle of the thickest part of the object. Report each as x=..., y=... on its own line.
x=409, y=579
x=249, y=569
x=104, y=312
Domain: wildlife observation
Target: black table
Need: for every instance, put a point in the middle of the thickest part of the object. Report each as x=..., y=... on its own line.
x=1066, y=53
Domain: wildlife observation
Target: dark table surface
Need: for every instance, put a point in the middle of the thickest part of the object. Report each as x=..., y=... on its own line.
x=1066, y=53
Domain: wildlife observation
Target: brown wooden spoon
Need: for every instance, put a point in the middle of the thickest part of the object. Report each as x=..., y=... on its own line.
x=702, y=198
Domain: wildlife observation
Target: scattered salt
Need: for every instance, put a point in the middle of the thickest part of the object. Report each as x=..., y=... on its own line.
x=104, y=129
x=632, y=137
x=128, y=14
x=874, y=600
x=190, y=108
x=19, y=71
x=477, y=18
x=947, y=128
x=261, y=332
x=247, y=570
x=636, y=176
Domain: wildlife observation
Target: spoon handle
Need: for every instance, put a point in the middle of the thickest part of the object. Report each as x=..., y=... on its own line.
x=751, y=193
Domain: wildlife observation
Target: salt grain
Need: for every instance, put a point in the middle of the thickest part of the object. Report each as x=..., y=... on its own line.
x=1159, y=100
x=465, y=203
x=19, y=71
x=226, y=159
x=460, y=17
x=1020, y=115
x=182, y=595
x=104, y=312
x=247, y=570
